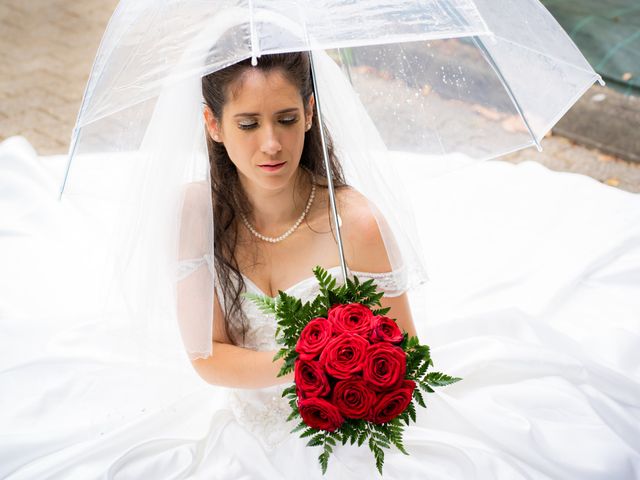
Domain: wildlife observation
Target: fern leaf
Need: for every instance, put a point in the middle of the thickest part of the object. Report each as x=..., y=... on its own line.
x=379, y=456
x=308, y=432
x=316, y=440
x=300, y=426
x=400, y=446
x=324, y=461
x=412, y=411
x=438, y=379
x=266, y=304
x=381, y=311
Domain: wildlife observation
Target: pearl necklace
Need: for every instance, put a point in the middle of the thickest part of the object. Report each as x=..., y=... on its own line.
x=295, y=225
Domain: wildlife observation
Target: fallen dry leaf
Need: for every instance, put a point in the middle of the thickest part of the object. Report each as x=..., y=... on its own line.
x=613, y=182
x=513, y=124
x=603, y=157
x=364, y=69
x=488, y=113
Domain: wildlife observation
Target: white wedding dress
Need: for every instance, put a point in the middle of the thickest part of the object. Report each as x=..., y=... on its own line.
x=534, y=299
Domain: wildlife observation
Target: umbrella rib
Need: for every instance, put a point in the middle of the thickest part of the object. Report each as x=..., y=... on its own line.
x=75, y=133
x=487, y=56
x=325, y=152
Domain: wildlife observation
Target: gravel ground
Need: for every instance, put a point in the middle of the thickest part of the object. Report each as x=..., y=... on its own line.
x=564, y=155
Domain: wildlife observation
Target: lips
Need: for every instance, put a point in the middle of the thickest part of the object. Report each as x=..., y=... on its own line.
x=271, y=164
x=270, y=167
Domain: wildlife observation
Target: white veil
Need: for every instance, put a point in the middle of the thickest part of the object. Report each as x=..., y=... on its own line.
x=162, y=246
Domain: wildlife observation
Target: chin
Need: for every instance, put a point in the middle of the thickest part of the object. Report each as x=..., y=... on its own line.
x=278, y=179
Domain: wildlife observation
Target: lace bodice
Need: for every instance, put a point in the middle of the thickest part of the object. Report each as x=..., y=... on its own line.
x=264, y=411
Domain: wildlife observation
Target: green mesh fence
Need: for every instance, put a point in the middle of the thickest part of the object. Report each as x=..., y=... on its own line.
x=608, y=34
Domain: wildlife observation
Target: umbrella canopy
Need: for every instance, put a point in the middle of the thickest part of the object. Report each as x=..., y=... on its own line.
x=148, y=42
x=467, y=78
x=436, y=76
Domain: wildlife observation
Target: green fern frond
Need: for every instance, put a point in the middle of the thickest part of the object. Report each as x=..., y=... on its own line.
x=437, y=379
x=325, y=280
x=324, y=461
x=267, y=305
x=412, y=410
x=426, y=387
x=381, y=311
x=300, y=426
x=316, y=440
x=308, y=432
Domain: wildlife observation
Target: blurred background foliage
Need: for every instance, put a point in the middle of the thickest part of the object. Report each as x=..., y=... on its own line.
x=608, y=34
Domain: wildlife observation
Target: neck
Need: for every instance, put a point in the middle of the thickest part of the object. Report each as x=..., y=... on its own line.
x=275, y=210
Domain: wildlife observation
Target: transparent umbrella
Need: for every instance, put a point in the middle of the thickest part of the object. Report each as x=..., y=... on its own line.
x=428, y=64
x=472, y=79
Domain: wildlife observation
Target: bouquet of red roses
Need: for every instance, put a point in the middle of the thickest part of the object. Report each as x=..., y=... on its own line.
x=357, y=375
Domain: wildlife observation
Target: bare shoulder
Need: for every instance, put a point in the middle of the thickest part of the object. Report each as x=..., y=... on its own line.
x=358, y=219
x=364, y=245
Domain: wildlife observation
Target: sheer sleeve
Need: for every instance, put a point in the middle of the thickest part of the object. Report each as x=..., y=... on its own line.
x=195, y=273
x=189, y=265
x=393, y=283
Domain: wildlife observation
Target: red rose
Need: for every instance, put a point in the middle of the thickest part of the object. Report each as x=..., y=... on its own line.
x=313, y=338
x=344, y=355
x=392, y=404
x=385, y=366
x=350, y=317
x=310, y=379
x=318, y=413
x=353, y=398
x=384, y=329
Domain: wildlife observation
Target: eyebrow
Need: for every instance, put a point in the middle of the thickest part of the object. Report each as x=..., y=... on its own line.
x=251, y=114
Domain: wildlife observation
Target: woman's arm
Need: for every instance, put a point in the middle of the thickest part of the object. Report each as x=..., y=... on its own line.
x=237, y=367
x=401, y=311
x=365, y=251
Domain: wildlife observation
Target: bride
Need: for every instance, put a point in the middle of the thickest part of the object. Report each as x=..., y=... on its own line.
x=271, y=203
x=271, y=199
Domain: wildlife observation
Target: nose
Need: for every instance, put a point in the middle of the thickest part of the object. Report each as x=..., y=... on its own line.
x=270, y=143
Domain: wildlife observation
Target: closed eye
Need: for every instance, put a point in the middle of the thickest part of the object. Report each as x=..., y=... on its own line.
x=247, y=124
x=289, y=120
x=251, y=124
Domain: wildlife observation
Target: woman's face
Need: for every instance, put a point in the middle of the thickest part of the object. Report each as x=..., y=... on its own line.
x=262, y=127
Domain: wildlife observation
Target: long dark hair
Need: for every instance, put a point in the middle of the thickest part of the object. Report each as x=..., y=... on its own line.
x=227, y=195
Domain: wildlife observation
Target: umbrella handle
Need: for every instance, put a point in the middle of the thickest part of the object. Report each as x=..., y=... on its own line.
x=332, y=195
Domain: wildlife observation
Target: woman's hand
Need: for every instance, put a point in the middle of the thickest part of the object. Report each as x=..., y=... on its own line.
x=289, y=377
